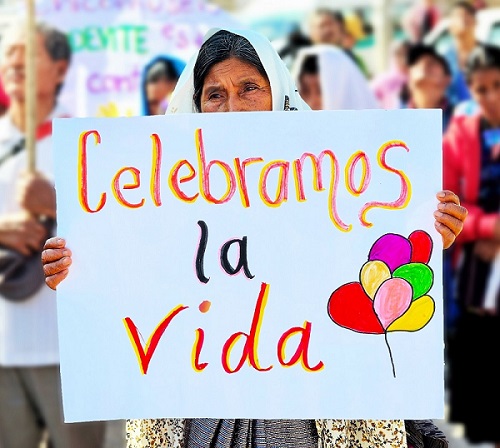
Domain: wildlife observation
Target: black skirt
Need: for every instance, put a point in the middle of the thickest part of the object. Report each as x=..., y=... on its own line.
x=474, y=376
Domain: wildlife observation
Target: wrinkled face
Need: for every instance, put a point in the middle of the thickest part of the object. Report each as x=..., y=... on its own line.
x=49, y=74
x=462, y=22
x=310, y=90
x=235, y=86
x=157, y=94
x=427, y=74
x=484, y=86
x=324, y=29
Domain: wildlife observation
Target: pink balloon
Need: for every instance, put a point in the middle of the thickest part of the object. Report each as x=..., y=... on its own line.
x=392, y=300
x=393, y=249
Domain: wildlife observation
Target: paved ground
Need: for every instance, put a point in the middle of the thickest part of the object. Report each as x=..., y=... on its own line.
x=115, y=434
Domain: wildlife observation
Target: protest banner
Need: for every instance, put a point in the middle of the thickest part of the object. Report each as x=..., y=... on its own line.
x=251, y=265
x=112, y=41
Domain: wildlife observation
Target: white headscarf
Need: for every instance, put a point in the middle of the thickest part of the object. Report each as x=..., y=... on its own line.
x=279, y=77
x=343, y=85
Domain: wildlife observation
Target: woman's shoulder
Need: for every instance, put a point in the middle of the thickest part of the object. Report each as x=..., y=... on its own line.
x=464, y=124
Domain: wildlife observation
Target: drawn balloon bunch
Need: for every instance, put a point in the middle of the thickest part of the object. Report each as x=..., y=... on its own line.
x=392, y=291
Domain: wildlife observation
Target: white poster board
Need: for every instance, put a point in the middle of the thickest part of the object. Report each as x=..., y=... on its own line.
x=217, y=274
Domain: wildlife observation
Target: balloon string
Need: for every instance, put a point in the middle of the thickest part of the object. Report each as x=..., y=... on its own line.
x=390, y=354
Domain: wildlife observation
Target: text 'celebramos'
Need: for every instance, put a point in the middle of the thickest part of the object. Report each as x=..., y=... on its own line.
x=271, y=195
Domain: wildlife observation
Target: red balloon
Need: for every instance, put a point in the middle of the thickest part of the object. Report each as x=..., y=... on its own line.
x=421, y=243
x=350, y=307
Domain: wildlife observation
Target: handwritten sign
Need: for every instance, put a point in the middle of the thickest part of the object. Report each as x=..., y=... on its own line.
x=258, y=265
x=113, y=40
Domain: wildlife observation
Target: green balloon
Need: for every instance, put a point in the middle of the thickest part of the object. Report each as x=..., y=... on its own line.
x=418, y=275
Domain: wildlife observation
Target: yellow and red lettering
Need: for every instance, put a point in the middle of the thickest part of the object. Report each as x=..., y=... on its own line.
x=136, y=176
x=301, y=354
x=174, y=181
x=145, y=354
x=83, y=172
x=405, y=194
x=155, y=170
x=250, y=350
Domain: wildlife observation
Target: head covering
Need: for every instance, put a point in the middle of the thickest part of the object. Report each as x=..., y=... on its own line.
x=177, y=65
x=282, y=84
x=343, y=86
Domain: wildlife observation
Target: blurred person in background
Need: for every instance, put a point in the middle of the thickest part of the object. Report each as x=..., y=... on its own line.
x=295, y=40
x=328, y=79
x=472, y=168
x=420, y=19
x=429, y=76
x=159, y=79
x=390, y=87
x=327, y=26
x=462, y=29
x=480, y=4
x=30, y=388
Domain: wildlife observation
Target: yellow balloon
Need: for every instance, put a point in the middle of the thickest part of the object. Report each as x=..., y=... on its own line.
x=373, y=274
x=417, y=316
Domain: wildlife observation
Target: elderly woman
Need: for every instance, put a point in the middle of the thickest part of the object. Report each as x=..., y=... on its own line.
x=242, y=72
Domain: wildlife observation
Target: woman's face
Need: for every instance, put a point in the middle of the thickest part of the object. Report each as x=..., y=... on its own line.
x=235, y=86
x=462, y=22
x=310, y=90
x=485, y=89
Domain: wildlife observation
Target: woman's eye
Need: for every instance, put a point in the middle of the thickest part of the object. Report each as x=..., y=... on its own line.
x=250, y=88
x=214, y=96
x=481, y=90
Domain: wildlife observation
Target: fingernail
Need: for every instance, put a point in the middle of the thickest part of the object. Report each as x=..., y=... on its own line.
x=66, y=252
x=438, y=214
x=441, y=206
x=441, y=194
x=66, y=260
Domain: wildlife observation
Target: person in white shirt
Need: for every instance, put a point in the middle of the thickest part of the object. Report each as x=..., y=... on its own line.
x=30, y=390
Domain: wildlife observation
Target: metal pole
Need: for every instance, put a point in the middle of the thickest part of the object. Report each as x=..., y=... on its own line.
x=30, y=89
x=383, y=30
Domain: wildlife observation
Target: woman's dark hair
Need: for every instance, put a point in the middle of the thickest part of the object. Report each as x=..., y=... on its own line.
x=336, y=15
x=483, y=56
x=309, y=66
x=219, y=47
x=162, y=69
x=57, y=45
x=467, y=6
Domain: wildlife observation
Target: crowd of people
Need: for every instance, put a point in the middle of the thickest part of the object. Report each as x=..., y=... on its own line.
x=319, y=70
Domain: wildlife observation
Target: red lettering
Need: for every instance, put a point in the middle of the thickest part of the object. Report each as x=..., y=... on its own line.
x=82, y=171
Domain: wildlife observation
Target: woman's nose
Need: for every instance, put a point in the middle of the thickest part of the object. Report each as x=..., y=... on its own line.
x=493, y=96
x=16, y=58
x=235, y=104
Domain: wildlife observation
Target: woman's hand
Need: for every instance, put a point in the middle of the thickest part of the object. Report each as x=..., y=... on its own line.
x=449, y=217
x=56, y=259
x=36, y=194
x=22, y=232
